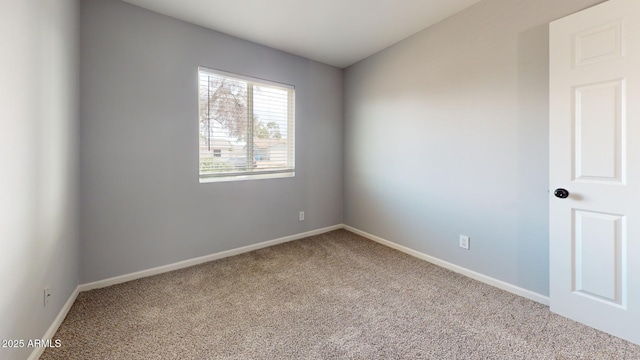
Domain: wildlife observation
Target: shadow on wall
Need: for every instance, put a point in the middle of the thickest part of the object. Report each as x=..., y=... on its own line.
x=533, y=156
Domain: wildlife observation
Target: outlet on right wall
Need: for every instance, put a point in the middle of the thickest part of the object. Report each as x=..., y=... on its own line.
x=446, y=133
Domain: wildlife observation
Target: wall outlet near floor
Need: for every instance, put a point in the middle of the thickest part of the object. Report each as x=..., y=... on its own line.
x=47, y=296
x=301, y=216
x=464, y=242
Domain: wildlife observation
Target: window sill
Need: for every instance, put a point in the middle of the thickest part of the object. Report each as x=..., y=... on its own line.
x=212, y=179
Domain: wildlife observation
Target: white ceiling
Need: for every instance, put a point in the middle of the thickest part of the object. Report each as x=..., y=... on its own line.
x=335, y=32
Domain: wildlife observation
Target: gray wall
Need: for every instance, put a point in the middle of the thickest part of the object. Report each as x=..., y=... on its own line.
x=38, y=177
x=446, y=133
x=141, y=203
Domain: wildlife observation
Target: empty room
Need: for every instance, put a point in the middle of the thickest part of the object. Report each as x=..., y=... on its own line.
x=382, y=179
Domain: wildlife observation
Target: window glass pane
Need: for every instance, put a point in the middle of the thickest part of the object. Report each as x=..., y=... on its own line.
x=223, y=124
x=270, y=117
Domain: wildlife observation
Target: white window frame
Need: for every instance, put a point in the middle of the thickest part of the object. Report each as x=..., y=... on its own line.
x=255, y=173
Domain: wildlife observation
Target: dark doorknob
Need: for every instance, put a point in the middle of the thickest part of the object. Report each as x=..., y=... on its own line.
x=561, y=193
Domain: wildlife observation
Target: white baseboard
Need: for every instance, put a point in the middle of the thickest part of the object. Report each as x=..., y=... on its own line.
x=199, y=260
x=542, y=299
x=37, y=352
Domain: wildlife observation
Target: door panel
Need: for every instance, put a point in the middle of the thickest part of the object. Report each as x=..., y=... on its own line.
x=598, y=128
x=598, y=44
x=594, y=139
x=599, y=256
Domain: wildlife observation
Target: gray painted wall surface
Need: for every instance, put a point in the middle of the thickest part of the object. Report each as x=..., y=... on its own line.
x=38, y=177
x=141, y=203
x=446, y=133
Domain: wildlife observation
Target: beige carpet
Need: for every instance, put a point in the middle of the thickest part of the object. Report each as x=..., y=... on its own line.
x=332, y=296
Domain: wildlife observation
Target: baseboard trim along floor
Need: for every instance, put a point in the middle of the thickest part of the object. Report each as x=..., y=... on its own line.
x=542, y=299
x=203, y=259
x=37, y=351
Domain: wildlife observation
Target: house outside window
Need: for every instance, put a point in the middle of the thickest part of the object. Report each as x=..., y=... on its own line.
x=246, y=127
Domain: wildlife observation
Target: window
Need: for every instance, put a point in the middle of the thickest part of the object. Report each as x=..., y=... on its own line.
x=246, y=127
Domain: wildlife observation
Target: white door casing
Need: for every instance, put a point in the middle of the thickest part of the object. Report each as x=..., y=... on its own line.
x=594, y=140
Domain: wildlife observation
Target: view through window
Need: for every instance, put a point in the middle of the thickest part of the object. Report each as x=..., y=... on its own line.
x=246, y=127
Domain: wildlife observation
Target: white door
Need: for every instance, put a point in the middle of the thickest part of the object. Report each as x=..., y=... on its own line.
x=595, y=155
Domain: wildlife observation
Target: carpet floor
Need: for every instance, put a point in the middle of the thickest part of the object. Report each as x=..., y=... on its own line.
x=331, y=296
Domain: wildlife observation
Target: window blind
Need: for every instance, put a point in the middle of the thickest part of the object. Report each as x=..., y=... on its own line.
x=246, y=126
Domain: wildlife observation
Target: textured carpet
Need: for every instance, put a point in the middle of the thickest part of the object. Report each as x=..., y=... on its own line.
x=331, y=296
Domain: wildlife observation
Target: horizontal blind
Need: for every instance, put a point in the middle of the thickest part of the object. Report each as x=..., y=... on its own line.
x=246, y=125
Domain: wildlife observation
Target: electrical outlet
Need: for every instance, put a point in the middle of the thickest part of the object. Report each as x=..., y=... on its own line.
x=301, y=216
x=47, y=296
x=464, y=242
